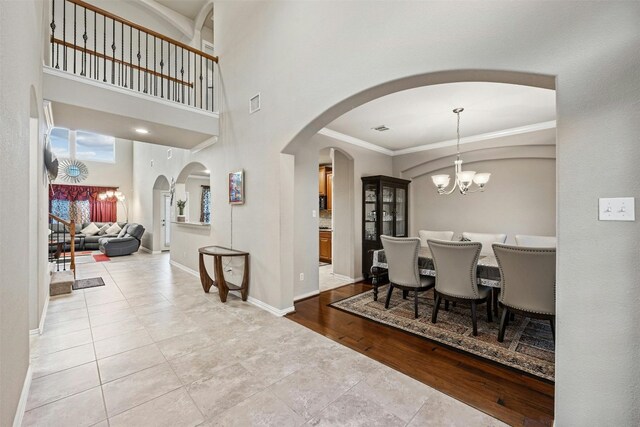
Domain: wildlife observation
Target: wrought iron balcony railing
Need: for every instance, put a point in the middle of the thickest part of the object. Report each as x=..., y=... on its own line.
x=91, y=42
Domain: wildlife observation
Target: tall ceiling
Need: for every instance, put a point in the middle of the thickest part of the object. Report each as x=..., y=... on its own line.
x=188, y=8
x=422, y=116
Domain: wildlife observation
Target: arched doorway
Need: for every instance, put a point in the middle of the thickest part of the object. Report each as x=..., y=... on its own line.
x=306, y=140
x=161, y=234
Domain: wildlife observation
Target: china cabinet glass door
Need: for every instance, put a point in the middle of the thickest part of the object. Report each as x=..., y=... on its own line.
x=370, y=212
x=400, y=212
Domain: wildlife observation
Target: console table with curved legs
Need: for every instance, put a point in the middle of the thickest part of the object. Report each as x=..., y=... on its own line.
x=218, y=252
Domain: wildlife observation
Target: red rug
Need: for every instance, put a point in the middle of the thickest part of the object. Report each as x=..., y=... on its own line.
x=101, y=258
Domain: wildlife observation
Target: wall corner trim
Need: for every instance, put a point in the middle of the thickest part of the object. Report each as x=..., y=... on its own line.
x=306, y=295
x=269, y=308
x=40, y=328
x=22, y=403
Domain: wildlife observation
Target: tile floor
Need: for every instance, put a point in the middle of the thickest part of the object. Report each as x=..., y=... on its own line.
x=327, y=280
x=151, y=349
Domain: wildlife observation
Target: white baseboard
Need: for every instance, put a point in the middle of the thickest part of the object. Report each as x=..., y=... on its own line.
x=269, y=308
x=358, y=279
x=343, y=278
x=307, y=295
x=185, y=268
x=22, y=403
x=149, y=251
x=40, y=329
x=251, y=300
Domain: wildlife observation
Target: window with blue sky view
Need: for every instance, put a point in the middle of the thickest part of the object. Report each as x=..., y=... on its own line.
x=88, y=146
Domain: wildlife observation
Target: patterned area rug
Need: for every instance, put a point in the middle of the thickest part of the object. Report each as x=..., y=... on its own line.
x=88, y=283
x=528, y=343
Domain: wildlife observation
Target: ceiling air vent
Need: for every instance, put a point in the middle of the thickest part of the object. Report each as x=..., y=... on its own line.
x=380, y=128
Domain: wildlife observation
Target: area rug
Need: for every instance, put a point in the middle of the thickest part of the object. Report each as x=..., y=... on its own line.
x=86, y=257
x=528, y=344
x=101, y=257
x=88, y=283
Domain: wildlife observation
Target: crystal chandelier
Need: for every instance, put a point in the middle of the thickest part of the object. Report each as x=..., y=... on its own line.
x=463, y=179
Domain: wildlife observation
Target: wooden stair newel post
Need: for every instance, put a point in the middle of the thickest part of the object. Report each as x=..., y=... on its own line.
x=72, y=230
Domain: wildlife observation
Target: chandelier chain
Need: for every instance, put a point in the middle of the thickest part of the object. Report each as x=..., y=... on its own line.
x=458, y=133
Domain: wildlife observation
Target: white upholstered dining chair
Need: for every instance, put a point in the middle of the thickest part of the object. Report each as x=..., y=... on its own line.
x=456, y=265
x=402, y=265
x=536, y=241
x=486, y=239
x=434, y=235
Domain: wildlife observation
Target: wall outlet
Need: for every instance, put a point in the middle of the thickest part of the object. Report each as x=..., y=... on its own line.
x=313, y=213
x=151, y=162
x=617, y=209
x=302, y=277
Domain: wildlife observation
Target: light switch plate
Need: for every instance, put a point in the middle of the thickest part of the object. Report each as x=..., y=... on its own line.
x=617, y=209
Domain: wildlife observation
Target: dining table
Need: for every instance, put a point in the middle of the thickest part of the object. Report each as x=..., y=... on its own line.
x=488, y=271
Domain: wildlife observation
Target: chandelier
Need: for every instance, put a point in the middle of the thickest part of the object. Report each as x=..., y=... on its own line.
x=463, y=179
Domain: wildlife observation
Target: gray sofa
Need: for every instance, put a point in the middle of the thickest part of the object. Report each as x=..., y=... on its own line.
x=82, y=242
x=126, y=243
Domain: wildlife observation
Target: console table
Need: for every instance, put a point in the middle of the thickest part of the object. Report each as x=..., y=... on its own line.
x=218, y=252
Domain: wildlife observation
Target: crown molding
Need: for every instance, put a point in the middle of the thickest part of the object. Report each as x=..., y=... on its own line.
x=354, y=141
x=481, y=137
x=449, y=143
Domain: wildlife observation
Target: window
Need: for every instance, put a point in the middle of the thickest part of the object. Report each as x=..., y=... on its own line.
x=81, y=145
x=79, y=211
x=205, y=205
x=94, y=147
x=59, y=138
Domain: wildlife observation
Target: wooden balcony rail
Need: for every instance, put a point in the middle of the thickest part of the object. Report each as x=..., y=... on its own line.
x=99, y=45
x=58, y=244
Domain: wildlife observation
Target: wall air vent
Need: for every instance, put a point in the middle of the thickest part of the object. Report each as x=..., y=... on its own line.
x=380, y=128
x=254, y=104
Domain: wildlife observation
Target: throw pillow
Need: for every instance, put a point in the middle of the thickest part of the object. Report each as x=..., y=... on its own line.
x=90, y=230
x=114, y=229
x=123, y=231
x=103, y=229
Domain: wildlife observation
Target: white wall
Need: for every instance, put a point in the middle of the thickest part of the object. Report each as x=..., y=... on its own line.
x=520, y=199
x=345, y=221
x=306, y=58
x=21, y=83
x=365, y=163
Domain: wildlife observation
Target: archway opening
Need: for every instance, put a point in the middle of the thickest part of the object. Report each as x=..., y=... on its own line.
x=161, y=231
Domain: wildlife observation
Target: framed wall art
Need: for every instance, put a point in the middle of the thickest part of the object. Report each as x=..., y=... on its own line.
x=236, y=188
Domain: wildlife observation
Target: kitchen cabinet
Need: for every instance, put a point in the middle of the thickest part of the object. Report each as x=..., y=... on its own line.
x=329, y=191
x=323, y=172
x=385, y=211
x=325, y=246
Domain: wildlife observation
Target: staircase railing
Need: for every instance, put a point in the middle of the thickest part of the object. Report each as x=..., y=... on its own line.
x=60, y=241
x=94, y=43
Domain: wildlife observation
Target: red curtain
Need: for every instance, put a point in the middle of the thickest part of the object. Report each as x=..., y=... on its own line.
x=101, y=210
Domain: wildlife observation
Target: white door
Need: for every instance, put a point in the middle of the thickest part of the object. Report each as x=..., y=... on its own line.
x=165, y=221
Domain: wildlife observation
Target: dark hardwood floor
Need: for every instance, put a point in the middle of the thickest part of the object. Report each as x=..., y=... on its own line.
x=512, y=397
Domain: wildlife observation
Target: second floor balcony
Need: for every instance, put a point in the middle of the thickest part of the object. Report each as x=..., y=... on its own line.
x=94, y=44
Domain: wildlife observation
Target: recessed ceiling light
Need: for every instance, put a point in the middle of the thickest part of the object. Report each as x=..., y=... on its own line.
x=142, y=130
x=380, y=128
x=207, y=171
